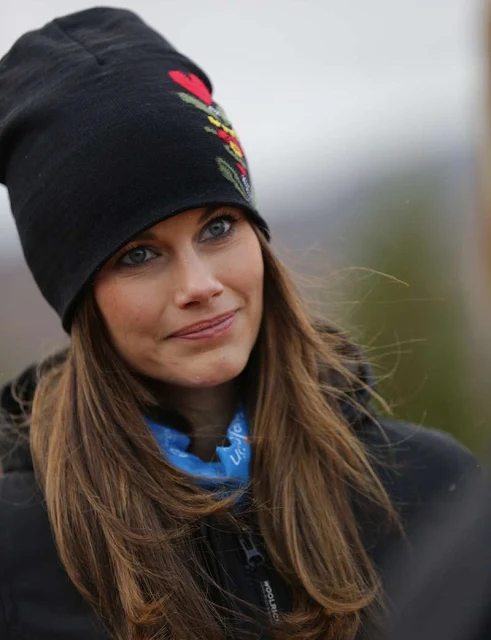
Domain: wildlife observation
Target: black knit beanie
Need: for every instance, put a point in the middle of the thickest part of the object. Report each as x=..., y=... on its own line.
x=105, y=130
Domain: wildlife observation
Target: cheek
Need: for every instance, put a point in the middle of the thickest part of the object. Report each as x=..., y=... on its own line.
x=245, y=271
x=127, y=310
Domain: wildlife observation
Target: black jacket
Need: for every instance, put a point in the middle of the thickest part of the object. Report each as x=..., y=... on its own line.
x=38, y=601
x=446, y=589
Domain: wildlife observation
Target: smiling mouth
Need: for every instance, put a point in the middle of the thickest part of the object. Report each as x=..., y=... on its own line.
x=207, y=328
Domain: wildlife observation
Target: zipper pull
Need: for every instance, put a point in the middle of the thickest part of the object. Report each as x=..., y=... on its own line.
x=254, y=557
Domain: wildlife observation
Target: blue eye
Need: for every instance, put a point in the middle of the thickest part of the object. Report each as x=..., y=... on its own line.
x=137, y=256
x=219, y=227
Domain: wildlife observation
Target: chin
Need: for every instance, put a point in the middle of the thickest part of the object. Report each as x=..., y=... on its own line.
x=211, y=374
x=215, y=376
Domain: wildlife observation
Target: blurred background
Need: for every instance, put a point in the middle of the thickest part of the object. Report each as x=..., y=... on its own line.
x=361, y=121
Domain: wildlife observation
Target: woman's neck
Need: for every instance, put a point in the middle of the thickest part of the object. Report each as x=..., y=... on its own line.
x=208, y=412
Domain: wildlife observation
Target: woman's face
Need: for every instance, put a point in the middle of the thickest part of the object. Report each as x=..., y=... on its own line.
x=183, y=301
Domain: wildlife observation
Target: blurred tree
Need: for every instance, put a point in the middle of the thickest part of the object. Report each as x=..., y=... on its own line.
x=411, y=321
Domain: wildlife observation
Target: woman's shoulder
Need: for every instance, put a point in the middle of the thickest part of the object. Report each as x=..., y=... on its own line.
x=419, y=466
x=24, y=524
x=21, y=509
x=18, y=488
x=414, y=443
x=34, y=587
x=428, y=459
x=409, y=440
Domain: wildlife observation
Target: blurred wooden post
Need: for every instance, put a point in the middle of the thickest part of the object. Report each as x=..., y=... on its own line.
x=479, y=254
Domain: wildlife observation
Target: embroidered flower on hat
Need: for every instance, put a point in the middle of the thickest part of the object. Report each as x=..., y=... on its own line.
x=198, y=95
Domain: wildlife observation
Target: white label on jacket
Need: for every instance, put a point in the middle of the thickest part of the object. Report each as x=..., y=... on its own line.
x=270, y=601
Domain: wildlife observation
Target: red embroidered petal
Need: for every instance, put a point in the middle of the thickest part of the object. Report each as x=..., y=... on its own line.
x=193, y=84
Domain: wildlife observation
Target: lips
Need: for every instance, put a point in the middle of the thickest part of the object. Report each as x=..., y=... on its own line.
x=202, y=326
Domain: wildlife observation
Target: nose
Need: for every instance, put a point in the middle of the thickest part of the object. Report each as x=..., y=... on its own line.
x=195, y=281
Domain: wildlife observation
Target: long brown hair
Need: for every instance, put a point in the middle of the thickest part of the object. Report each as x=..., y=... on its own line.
x=126, y=522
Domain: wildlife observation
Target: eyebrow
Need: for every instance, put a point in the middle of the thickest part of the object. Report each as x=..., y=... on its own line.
x=146, y=235
x=209, y=211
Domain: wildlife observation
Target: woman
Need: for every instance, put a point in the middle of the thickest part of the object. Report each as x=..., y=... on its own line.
x=203, y=461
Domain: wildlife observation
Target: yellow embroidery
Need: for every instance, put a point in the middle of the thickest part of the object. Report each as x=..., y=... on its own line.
x=236, y=150
x=220, y=125
x=230, y=131
x=214, y=121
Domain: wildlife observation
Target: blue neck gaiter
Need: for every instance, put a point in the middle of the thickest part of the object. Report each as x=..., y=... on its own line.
x=233, y=465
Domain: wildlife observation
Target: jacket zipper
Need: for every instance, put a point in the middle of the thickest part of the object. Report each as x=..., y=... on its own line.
x=258, y=575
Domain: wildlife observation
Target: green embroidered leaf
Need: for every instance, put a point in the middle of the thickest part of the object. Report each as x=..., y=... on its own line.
x=232, y=153
x=211, y=130
x=186, y=97
x=232, y=176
